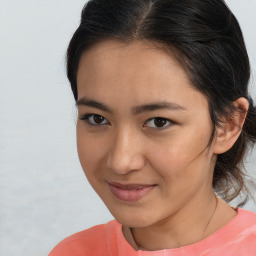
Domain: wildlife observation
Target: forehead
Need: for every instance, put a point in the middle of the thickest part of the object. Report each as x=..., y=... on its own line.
x=114, y=70
x=112, y=55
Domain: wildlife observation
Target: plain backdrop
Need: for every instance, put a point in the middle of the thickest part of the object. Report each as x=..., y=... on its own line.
x=44, y=195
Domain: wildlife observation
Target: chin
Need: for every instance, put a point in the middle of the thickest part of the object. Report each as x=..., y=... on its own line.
x=137, y=214
x=134, y=223
x=133, y=218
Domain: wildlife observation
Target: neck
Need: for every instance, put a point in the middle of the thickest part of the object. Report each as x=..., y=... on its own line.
x=188, y=225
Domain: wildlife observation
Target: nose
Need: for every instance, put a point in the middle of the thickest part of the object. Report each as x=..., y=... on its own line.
x=126, y=153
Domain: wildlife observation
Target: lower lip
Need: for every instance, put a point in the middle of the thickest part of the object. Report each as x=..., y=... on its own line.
x=130, y=195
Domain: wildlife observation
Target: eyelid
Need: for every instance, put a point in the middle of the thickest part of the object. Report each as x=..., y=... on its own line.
x=170, y=123
x=86, y=117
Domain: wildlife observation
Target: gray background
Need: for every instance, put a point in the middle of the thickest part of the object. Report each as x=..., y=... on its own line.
x=44, y=195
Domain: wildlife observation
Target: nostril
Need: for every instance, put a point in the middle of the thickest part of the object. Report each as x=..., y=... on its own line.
x=124, y=163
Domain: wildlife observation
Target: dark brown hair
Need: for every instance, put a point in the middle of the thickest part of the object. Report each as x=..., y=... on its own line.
x=209, y=44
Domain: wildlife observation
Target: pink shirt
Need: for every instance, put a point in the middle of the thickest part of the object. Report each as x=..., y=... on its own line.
x=236, y=238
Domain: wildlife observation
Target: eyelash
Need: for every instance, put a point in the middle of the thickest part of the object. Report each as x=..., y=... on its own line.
x=87, y=117
x=168, y=121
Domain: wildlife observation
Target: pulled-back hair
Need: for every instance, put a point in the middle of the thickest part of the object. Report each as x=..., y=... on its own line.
x=205, y=38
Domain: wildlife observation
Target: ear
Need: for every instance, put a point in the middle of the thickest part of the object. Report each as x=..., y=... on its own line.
x=227, y=134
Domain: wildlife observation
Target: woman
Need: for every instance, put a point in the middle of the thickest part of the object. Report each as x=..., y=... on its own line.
x=164, y=121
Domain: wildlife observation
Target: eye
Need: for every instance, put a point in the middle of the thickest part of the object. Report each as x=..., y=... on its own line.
x=158, y=122
x=94, y=120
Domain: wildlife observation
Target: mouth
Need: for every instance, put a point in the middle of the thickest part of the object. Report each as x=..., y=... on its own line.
x=130, y=192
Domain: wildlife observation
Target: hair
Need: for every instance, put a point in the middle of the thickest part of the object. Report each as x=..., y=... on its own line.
x=205, y=38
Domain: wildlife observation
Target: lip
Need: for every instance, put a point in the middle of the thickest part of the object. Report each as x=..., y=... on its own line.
x=130, y=192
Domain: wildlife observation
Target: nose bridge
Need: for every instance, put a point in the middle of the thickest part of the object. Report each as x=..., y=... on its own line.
x=126, y=152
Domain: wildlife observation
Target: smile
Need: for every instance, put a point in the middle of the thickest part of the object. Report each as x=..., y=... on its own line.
x=130, y=192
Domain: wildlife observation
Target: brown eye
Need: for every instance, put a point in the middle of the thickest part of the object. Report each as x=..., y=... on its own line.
x=98, y=119
x=94, y=120
x=158, y=122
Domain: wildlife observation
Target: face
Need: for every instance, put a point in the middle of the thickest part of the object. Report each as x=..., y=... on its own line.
x=143, y=132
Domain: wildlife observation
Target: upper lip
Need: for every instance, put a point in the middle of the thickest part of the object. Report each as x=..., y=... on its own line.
x=130, y=186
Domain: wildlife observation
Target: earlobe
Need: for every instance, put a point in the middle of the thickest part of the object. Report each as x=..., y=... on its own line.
x=231, y=127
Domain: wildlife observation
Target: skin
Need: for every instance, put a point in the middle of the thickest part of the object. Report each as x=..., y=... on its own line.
x=128, y=148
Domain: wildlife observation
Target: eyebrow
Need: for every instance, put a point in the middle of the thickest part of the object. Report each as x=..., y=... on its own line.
x=93, y=104
x=157, y=106
x=135, y=110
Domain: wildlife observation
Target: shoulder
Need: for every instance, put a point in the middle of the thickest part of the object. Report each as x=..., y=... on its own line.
x=244, y=229
x=246, y=217
x=236, y=238
x=85, y=242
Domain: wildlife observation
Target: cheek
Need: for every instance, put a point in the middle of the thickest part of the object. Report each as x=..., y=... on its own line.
x=184, y=155
x=90, y=152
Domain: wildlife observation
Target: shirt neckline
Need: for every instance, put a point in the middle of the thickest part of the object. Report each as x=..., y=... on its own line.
x=206, y=241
